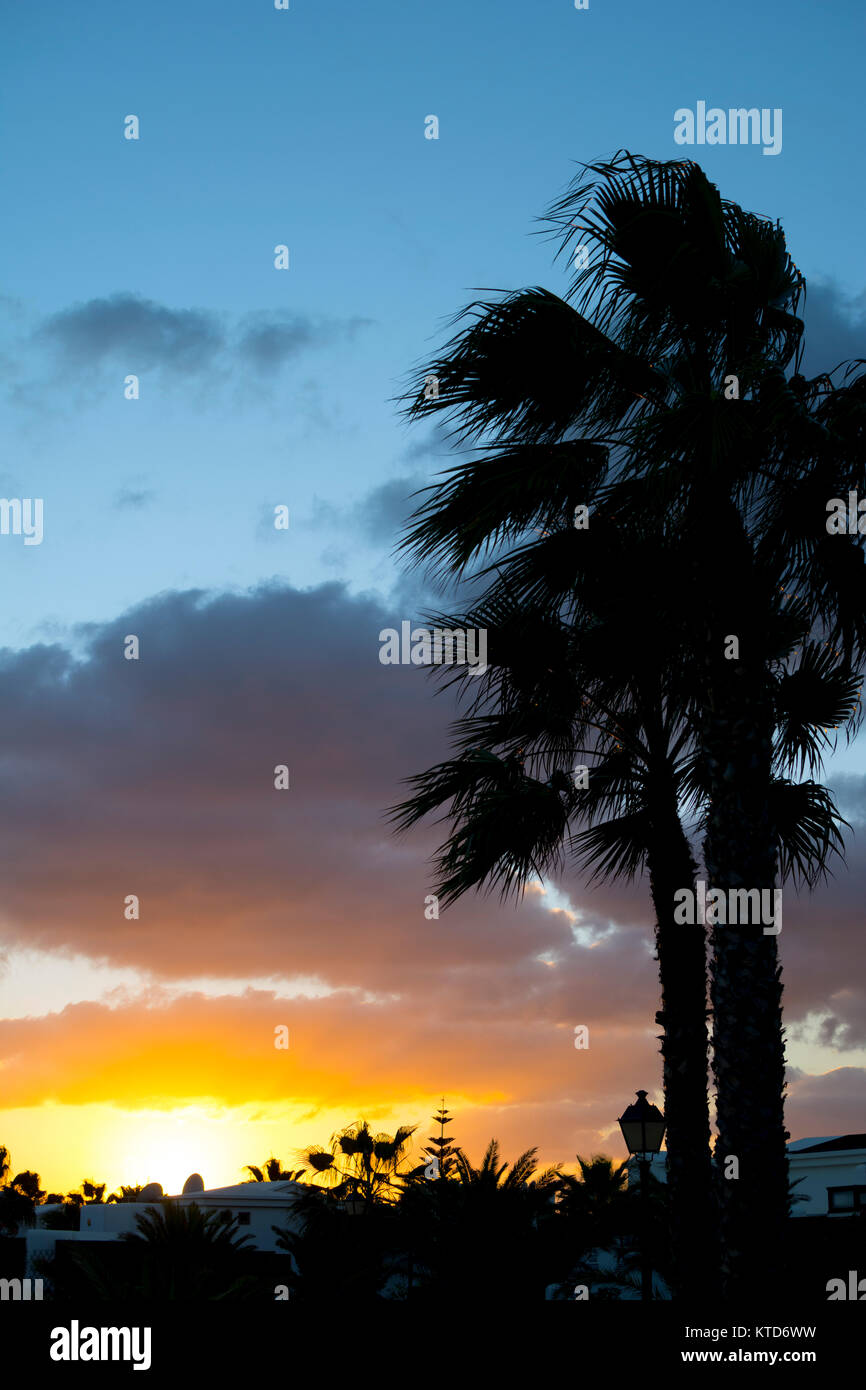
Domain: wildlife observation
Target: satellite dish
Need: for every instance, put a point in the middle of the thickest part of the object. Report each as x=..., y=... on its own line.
x=151, y=1193
x=194, y=1183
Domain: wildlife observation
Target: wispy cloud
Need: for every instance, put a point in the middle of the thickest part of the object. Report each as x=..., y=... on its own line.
x=139, y=332
x=130, y=334
x=133, y=499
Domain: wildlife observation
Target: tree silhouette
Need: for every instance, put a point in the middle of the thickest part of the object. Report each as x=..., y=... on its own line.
x=620, y=401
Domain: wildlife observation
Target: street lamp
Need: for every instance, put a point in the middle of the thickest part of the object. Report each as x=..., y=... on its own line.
x=643, y=1128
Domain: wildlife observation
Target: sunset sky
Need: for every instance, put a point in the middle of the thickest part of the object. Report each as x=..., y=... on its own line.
x=133, y=1051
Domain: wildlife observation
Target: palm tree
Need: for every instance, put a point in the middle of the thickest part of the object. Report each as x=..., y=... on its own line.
x=28, y=1184
x=489, y=1233
x=337, y=1258
x=558, y=691
x=362, y=1166
x=625, y=402
x=19, y=1198
x=704, y=294
x=613, y=1220
x=599, y=1189
x=5, y=1164
x=510, y=824
x=272, y=1171
x=496, y=1175
x=187, y=1253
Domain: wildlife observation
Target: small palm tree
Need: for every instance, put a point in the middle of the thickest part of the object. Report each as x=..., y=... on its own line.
x=127, y=1194
x=489, y=1233
x=19, y=1199
x=362, y=1166
x=187, y=1253
x=494, y=1173
x=336, y=1258
x=28, y=1184
x=171, y=1224
x=272, y=1171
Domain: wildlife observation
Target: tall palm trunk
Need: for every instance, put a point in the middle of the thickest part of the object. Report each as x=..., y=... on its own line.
x=684, y=1045
x=746, y=988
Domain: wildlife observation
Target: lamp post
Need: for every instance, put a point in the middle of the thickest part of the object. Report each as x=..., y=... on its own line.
x=643, y=1128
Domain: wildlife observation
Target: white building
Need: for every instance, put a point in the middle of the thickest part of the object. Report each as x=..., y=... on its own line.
x=256, y=1206
x=829, y=1172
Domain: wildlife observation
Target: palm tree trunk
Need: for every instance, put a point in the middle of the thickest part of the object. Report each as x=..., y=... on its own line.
x=746, y=988
x=684, y=1046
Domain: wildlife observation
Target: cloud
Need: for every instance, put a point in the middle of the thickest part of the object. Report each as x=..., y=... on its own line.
x=378, y=517
x=132, y=499
x=156, y=778
x=127, y=332
x=831, y=1103
x=382, y=513
x=435, y=444
x=137, y=332
x=835, y=327
x=269, y=339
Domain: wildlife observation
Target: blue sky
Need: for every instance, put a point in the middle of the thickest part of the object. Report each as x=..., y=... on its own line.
x=261, y=387
x=306, y=127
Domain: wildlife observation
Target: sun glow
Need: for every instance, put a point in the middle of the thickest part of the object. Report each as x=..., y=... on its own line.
x=167, y=1146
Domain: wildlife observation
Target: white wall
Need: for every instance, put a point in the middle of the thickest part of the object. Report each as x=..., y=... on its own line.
x=112, y=1218
x=842, y=1168
x=839, y=1168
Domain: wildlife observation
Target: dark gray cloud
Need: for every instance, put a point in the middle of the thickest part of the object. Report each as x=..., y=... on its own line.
x=137, y=334
x=156, y=777
x=382, y=513
x=835, y=327
x=436, y=444
x=378, y=516
x=267, y=340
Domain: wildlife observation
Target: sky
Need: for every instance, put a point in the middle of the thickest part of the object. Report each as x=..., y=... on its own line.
x=139, y=1050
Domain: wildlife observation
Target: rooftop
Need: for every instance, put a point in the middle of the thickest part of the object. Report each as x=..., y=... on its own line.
x=246, y=1192
x=834, y=1143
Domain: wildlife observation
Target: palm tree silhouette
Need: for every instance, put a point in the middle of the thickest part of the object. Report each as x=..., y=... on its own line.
x=489, y=1230
x=618, y=401
x=187, y=1253
x=93, y=1192
x=558, y=691
x=272, y=1171
x=362, y=1166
